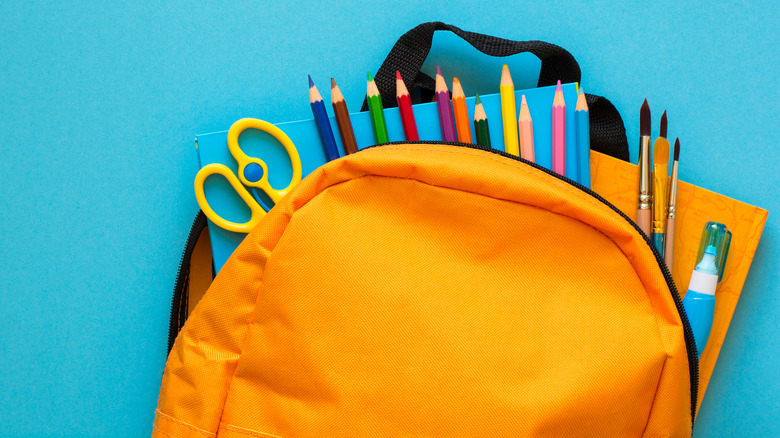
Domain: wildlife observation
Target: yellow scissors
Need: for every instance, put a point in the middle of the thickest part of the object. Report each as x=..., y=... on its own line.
x=252, y=172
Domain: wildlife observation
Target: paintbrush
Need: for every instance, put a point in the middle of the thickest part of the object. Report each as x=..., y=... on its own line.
x=669, y=250
x=643, y=212
x=660, y=183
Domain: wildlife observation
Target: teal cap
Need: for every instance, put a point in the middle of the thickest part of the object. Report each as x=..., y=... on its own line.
x=713, y=249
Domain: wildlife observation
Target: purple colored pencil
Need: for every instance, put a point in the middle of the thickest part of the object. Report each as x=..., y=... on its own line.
x=443, y=103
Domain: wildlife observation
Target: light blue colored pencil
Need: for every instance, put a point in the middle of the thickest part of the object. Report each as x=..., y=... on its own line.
x=582, y=134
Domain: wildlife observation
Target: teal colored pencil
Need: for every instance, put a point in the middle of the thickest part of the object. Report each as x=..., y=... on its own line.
x=376, y=111
x=582, y=134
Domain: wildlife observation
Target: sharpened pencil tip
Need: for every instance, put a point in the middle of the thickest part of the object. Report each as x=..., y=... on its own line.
x=311, y=83
x=398, y=75
x=370, y=78
x=644, y=120
x=478, y=102
x=522, y=100
x=506, y=77
x=332, y=83
x=558, y=87
x=438, y=70
x=677, y=149
x=662, y=131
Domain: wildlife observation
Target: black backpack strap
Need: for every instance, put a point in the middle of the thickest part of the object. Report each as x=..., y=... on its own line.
x=607, y=133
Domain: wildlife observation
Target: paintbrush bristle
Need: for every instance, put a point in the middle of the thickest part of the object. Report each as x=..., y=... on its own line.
x=677, y=150
x=644, y=120
x=662, y=131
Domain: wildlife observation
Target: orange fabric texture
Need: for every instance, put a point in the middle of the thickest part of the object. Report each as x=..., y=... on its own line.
x=432, y=291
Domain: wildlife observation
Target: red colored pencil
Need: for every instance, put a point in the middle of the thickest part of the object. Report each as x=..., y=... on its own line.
x=405, y=107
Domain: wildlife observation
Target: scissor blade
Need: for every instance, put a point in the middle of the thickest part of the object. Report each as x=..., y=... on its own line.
x=262, y=199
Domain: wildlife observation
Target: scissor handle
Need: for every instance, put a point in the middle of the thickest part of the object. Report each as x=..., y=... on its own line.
x=256, y=212
x=245, y=161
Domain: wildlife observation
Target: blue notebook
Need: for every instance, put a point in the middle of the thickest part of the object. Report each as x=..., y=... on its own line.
x=212, y=148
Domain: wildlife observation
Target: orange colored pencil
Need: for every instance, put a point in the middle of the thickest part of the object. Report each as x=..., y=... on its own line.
x=460, y=112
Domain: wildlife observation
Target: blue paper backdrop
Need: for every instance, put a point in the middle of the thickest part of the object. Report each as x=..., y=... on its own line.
x=100, y=102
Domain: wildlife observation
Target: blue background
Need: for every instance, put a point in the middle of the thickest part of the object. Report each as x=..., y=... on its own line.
x=100, y=102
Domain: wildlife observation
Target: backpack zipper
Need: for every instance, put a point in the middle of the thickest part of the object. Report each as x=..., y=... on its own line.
x=690, y=344
x=179, y=304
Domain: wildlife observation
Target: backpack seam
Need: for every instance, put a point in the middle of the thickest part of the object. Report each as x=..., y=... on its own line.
x=172, y=419
x=655, y=396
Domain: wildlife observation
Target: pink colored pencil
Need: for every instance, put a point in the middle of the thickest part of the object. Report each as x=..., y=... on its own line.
x=559, y=132
x=445, y=110
x=526, y=132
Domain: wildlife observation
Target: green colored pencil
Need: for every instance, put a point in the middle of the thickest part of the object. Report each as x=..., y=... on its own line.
x=481, y=124
x=376, y=111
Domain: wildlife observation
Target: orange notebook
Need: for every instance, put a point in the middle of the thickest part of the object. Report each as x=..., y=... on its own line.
x=618, y=181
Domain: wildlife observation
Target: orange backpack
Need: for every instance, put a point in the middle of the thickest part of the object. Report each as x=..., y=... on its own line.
x=435, y=290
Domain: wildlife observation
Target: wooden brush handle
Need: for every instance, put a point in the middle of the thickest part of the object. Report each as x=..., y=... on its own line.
x=643, y=219
x=669, y=247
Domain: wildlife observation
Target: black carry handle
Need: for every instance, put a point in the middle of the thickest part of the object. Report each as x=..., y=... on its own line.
x=607, y=133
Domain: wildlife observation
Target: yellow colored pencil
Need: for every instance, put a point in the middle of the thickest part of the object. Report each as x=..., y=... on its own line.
x=509, y=113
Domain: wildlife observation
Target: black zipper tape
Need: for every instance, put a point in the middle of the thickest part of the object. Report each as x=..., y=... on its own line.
x=179, y=305
x=690, y=344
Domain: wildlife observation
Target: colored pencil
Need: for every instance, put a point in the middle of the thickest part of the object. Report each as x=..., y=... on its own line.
x=672, y=207
x=660, y=182
x=343, y=121
x=445, y=111
x=323, y=122
x=481, y=130
x=526, y=126
x=460, y=112
x=509, y=112
x=582, y=135
x=376, y=111
x=405, y=108
x=559, y=132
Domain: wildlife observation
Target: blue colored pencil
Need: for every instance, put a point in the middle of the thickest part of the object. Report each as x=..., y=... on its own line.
x=582, y=135
x=323, y=122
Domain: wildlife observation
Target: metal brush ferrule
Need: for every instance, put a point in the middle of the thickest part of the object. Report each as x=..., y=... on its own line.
x=672, y=209
x=645, y=193
x=660, y=201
